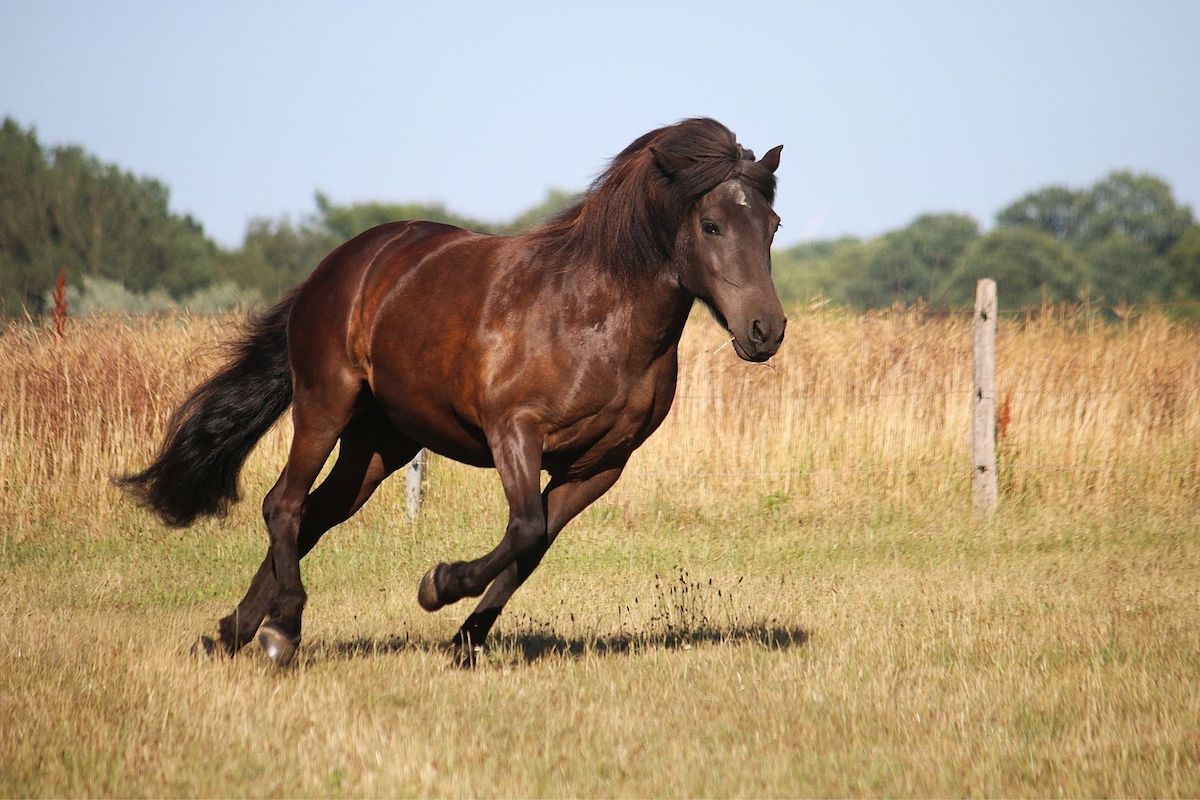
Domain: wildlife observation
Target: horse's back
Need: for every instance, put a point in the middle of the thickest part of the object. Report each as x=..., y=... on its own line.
x=345, y=289
x=352, y=268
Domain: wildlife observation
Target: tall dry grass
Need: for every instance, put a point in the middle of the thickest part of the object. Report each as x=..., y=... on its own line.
x=855, y=412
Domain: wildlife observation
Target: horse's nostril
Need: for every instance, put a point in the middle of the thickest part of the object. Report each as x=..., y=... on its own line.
x=757, y=335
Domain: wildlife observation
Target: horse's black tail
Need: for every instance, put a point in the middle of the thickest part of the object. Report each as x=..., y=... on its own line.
x=196, y=472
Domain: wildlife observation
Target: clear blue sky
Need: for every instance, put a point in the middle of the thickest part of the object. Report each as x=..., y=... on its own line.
x=886, y=109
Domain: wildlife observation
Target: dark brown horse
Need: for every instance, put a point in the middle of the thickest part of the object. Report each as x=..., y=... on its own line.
x=555, y=350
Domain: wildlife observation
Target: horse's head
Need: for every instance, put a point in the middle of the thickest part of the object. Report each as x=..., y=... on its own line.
x=723, y=254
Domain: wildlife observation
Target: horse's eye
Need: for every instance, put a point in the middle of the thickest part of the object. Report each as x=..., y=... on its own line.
x=710, y=227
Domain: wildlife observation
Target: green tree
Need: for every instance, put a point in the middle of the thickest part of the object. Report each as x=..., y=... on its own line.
x=817, y=268
x=1139, y=206
x=912, y=262
x=345, y=222
x=27, y=256
x=276, y=255
x=1028, y=265
x=64, y=209
x=1061, y=212
x=1125, y=271
x=1183, y=266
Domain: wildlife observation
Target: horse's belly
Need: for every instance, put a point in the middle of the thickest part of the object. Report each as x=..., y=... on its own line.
x=434, y=426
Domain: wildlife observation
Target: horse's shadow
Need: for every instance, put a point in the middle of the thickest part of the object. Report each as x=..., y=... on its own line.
x=530, y=646
x=533, y=646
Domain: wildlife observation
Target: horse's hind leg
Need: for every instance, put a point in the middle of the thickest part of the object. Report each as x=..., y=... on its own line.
x=320, y=413
x=370, y=451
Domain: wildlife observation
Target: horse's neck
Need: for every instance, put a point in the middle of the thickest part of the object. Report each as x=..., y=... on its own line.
x=642, y=317
x=657, y=309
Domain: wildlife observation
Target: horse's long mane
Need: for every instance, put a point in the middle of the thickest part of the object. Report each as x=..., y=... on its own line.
x=628, y=220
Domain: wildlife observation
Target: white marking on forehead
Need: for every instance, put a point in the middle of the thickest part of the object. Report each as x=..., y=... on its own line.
x=739, y=195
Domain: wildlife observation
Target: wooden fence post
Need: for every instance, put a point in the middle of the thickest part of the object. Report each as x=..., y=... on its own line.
x=983, y=400
x=416, y=480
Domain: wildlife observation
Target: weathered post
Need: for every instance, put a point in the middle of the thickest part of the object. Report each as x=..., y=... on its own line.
x=416, y=480
x=983, y=400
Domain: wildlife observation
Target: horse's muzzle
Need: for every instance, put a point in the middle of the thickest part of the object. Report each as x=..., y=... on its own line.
x=762, y=341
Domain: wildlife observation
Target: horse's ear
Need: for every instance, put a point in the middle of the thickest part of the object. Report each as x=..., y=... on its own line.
x=670, y=163
x=771, y=159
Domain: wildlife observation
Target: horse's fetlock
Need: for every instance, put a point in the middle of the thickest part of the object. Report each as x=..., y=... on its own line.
x=287, y=607
x=227, y=630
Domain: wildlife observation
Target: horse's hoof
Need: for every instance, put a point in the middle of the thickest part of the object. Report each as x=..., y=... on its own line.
x=205, y=648
x=464, y=655
x=427, y=594
x=278, y=646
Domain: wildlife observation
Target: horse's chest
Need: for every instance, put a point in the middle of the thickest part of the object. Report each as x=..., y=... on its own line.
x=617, y=428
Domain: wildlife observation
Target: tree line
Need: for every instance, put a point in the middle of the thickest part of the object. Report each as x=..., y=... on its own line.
x=124, y=250
x=1125, y=239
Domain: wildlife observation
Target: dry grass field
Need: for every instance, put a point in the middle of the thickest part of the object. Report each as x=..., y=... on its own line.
x=785, y=595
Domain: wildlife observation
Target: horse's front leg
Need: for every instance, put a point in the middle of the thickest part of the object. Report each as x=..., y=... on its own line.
x=517, y=452
x=562, y=502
